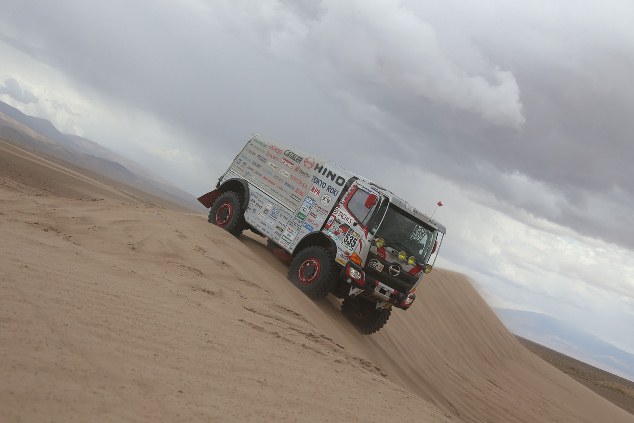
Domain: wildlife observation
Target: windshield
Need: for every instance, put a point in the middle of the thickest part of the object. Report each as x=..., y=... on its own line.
x=402, y=231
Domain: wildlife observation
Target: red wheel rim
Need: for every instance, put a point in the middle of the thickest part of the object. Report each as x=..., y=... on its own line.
x=309, y=271
x=224, y=214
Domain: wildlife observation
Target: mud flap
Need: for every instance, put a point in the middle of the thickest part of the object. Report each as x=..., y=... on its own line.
x=208, y=199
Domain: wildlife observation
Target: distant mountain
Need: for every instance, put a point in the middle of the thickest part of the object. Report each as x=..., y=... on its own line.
x=41, y=135
x=569, y=340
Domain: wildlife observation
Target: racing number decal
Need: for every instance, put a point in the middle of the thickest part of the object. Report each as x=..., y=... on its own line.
x=350, y=240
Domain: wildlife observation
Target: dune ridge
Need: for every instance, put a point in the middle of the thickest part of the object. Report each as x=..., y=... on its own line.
x=115, y=309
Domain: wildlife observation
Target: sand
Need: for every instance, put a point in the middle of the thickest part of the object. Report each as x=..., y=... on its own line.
x=113, y=309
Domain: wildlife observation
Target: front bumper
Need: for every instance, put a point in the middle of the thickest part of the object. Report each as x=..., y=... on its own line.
x=371, y=287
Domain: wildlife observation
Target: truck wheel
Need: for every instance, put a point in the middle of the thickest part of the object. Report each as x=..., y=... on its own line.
x=312, y=270
x=364, y=314
x=228, y=213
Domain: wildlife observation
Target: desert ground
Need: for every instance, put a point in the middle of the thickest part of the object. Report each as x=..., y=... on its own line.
x=117, y=308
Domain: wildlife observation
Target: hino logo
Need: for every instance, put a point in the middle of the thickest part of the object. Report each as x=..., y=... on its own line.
x=394, y=269
x=339, y=180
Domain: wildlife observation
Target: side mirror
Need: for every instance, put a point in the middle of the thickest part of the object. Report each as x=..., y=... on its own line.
x=371, y=201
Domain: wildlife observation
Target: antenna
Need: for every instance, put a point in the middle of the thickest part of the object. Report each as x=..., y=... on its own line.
x=438, y=204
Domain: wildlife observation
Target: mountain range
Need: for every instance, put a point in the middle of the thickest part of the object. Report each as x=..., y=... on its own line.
x=42, y=136
x=569, y=340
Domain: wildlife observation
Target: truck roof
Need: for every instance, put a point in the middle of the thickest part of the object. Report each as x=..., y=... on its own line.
x=402, y=204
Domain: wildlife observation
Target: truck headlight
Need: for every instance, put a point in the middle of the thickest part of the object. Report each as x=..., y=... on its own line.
x=427, y=268
x=354, y=273
x=411, y=260
x=379, y=242
x=402, y=256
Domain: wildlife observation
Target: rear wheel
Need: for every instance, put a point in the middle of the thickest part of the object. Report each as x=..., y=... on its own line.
x=227, y=212
x=312, y=270
x=364, y=314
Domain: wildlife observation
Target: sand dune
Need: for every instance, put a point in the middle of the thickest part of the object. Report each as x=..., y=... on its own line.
x=112, y=309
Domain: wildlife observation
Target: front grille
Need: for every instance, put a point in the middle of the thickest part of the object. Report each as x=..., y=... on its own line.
x=404, y=282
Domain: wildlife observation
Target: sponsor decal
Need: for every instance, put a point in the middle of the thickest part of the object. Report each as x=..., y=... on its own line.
x=313, y=215
x=274, y=213
x=309, y=163
x=256, y=164
x=275, y=149
x=325, y=200
x=328, y=174
x=376, y=265
x=251, y=152
x=302, y=172
x=294, y=157
x=284, y=173
x=300, y=192
x=267, y=208
x=342, y=229
x=273, y=165
x=315, y=191
x=309, y=227
x=330, y=221
x=295, y=223
x=324, y=185
x=333, y=191
x=298, y=181
x=260, y=143
x=289, y=234
x=344, y=217
x=321, y=210
x=267, y=180
x=288, y=163
x=295, y=198
x=302, y=213
x=262, y=159
x=308, y=202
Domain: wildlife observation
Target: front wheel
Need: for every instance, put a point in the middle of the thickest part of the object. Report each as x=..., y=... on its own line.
x=312, y=270
x=228, y=212
x=364, y=314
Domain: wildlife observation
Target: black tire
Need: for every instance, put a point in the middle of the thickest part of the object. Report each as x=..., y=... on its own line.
x=227, y=212
x=312, y=270
x=364, y=315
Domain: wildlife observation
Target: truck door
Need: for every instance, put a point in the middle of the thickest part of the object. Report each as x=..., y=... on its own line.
x=348, y=223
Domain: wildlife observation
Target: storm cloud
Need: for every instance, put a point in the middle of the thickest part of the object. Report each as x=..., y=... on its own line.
x=12, y=88
x=514, y=95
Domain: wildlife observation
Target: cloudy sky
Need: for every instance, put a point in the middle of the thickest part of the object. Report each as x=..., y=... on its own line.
x=518, y=115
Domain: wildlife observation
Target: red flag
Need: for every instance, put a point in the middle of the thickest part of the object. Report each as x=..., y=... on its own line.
x=439, y=204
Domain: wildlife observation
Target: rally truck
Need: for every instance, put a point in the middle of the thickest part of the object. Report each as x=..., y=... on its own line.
x=344, y=234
